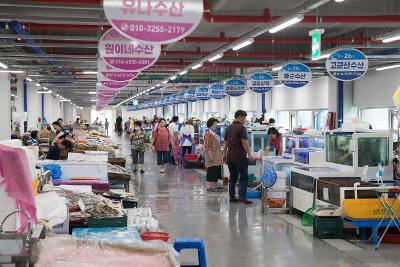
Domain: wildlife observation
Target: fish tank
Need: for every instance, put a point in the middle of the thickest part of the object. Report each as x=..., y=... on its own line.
x=317, y=142
x=352, y=151
x=259, y=140
x=295, y=141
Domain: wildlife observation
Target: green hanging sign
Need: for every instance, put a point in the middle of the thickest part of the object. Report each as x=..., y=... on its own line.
x=316, y=43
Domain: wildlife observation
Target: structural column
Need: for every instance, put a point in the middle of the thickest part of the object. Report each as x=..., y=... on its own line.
x=5, y=109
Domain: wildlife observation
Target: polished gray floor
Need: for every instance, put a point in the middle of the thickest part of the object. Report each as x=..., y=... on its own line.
x=235, y=235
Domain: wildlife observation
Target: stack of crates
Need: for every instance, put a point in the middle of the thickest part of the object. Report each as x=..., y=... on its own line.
x=328, y=227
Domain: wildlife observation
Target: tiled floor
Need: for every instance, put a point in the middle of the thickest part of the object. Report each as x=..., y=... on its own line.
x=236, y=235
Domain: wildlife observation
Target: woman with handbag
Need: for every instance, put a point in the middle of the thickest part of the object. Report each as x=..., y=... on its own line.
x=161, y=142
x=138, y=137
x=213, y=156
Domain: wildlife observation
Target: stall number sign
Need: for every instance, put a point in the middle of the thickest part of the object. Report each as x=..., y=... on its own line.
x=174, y=99
x=260, y=82
x=235, y=87
x=190, y=95
x=125, y=54
x=181, y=98
x=295, y=75
x=109, y=72
x=202, y=93
x=217, y=91
x=168, y=100
x=154, y=21
x=347, y=64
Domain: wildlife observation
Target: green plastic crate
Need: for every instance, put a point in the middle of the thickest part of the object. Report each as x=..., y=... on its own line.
x=121, y=221
x=328, y=227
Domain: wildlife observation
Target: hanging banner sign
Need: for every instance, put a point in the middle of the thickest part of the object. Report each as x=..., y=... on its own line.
x=190, y=95
x=181, y=98
x=109, y=72
x=347, y=64
x=112, y=84
x=168, y=100
x=125, y=54
x=217, y=90
x=295, y=75
x=174, y=99
x=260, y=82
x=154, y=21
x=202, y=93
x=235, y=87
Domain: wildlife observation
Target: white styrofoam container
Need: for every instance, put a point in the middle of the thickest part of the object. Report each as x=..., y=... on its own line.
x=96, y=156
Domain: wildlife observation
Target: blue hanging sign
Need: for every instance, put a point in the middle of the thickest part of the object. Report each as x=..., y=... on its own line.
x=235, y=87
x=190, y=95
x=202, y=93
x=260, y=82
x=162, y=102
x=347, y=64
x=295, y=75
x=181, y=98
x=217, y=90
x=168, y=100
x=174, y=99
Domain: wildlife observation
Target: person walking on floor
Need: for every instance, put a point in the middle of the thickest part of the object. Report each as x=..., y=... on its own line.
x=160, y=142
x=237, y=154
x=213, y=156
x=106, y=125
x=118, y=124
x=187, y=137
x=173, y=131
x=137, y=138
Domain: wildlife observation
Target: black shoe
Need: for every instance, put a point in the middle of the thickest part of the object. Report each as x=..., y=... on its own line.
x=135, y=170
x=233, y=200
x=141, y=171
x=246, y=202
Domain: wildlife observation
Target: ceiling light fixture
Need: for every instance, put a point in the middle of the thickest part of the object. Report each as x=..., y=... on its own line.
x=92, y=93
x=29, y=79
x=153, y=88
x=195, y=67
x=158, y=85
x=164, y=82
x=279, y=85
x=277, y=68
x=45, y=88
x=243, y=44
x=218, y=56
x=89, y=72
x=339, y=1
x=388, y=67
x=321, y=57
x=173, y=78
x=65, y=100
x=37, y=84
x=93, y=100
x=44, y=92
x=4, y=66
x=11, y=71
x=391, y=38
x=287, y=23
x=183, y=72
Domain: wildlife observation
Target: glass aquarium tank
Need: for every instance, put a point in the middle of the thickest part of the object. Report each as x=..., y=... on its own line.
x=304, y=142
x=290, y=144
x=317, y=142
x=338, y=149
x=302, y=155
x=372, y=151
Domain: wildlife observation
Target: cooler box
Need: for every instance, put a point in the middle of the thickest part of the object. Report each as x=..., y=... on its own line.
x=371, y=208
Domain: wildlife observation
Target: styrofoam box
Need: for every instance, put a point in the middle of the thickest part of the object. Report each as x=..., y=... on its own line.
x=96, y=156
x=76, y=157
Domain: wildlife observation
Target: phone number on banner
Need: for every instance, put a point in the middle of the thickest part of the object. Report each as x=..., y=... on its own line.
x=136, y=27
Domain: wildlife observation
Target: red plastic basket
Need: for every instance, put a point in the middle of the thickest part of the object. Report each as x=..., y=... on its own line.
x=191, y=157
x=148, y=236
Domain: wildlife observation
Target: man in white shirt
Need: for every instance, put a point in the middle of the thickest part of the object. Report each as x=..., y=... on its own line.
x=173, y=131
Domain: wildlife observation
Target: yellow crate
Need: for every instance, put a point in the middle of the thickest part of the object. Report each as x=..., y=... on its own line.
x=367, y=208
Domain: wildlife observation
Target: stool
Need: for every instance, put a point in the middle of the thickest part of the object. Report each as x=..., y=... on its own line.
x=192, y=243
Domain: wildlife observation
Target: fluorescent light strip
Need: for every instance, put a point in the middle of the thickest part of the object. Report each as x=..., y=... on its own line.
x=287, y=23
x=183, y=72
x=173, y=77
x=277, y=68
x=391, y=39
x=89, y=72
x=164, y=82
x=37, y=84
x=92, y=93
x=158, y=85
x=44, y=92
x=321, y=57
x=388, y=67
x=93, y=100
x=45, y=88
x=278, y=85
x=243, y=44
x=65, y=100
x=4, y=66
x=29, y=79
x=215, y=57
x=11, y=71
x=197, y=66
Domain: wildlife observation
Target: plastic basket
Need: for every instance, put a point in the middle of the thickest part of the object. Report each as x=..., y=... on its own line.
x=121, y=221
x=328, y=227
x=253, y=194
x=191, y=157
x=148, y=236
x=276, y=203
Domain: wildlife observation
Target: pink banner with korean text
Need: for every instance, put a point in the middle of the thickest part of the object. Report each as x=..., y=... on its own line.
x=108, y=72
x=154, y=21
x=126, y=54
